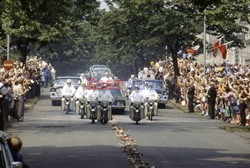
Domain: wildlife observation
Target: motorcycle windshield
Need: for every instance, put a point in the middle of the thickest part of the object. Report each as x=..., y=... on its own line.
x=93, y=96
x=136, y=96
x=105, y=95
x=150, y=95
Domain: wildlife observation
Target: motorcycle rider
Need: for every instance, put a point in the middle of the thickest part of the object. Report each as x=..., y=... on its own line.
x=105, y=96
x=68, y=91
x=81, y=92
x=92, y=96
x=80, y=95
x=150, y=95
x=136, y=97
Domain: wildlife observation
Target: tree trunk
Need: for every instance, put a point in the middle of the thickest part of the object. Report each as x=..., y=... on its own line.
x=174, y=51
x=175, y=63
x=23, y=48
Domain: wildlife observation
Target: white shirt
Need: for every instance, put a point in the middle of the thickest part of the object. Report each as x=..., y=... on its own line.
x=92, y=95
x=151, y=94
x=68, y=90
x=136, y=96
x=80, y=93
x=105, y=79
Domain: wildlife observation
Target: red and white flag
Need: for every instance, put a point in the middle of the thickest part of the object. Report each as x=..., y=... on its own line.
x=193, y=50
x=219, y=46
x=223, y=50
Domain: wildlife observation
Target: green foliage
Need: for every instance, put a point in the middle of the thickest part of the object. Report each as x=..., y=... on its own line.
x=125, y=37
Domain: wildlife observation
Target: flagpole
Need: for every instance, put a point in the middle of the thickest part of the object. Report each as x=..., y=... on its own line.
x=8, y=46
x=204, y=45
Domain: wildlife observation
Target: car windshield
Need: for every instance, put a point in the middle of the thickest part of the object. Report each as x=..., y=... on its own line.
x=157, y=85
x=101, y=71
x=98, y=66
x=116, y=93
x=63, y=81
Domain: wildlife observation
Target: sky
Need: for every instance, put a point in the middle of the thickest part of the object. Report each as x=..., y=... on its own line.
x=103, y=4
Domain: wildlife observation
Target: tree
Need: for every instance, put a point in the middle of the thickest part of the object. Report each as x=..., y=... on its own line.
x=43, y=21
x=142, y=29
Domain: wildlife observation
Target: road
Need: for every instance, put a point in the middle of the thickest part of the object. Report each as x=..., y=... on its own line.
x=52, y=139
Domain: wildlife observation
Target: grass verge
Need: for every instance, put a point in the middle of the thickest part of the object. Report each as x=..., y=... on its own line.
x=234, y=128
x=182, y=108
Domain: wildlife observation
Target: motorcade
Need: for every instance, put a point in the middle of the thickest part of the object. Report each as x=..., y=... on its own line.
x=56, y=88
x=6, y=159
x=158, y=86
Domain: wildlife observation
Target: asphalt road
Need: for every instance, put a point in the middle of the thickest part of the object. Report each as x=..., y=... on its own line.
x=52, y=139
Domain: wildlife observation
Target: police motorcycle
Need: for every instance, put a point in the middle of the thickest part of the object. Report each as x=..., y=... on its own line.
x=80, y=103
x=105, y=102
x=136, y=108
x=92, y=105
x=67, y=100
x=151, y=104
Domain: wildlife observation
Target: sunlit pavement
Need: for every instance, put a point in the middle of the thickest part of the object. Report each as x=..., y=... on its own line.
x=173, y=139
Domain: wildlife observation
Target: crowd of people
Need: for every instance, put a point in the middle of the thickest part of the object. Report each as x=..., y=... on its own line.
x=222, y=93
x=22, y=82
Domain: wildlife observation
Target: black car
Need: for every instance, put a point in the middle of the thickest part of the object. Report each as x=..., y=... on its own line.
x=6, y=159
x=119, y=104
x=55, y=91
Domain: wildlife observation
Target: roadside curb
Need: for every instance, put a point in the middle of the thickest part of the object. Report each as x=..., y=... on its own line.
x=30, y=103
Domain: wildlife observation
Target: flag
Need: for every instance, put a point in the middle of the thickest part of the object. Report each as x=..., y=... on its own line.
x=216, y=47
x=223, y=50
x=193, y=50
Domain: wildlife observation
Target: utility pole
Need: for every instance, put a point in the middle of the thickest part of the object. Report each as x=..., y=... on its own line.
x=205, y=45
x=8, y=46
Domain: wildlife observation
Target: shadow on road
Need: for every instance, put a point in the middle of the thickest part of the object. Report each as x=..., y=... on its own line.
x=75, y=157
x=160, y=157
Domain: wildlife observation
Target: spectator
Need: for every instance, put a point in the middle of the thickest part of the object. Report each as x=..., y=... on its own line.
x=15, y=145
x=191, y=92
x=212, y=94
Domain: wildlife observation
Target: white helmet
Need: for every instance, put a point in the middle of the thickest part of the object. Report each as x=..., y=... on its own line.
x=132, y=76
x=68, y=81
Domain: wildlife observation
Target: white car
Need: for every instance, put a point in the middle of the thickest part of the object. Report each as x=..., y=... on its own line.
x=55, y=91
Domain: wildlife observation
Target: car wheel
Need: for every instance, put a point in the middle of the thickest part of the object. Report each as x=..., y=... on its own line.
x=53, y=103
x=163, y=106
